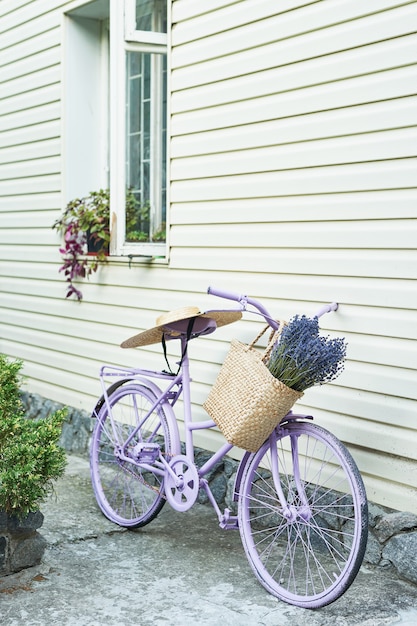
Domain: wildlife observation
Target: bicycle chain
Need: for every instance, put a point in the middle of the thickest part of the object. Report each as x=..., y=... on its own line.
x=140, y=478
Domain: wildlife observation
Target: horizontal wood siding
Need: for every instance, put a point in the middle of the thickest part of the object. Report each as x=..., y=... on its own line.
x=294, y=165
x=293, y=178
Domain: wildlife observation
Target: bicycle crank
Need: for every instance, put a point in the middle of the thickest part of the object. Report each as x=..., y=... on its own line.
x=181, y=483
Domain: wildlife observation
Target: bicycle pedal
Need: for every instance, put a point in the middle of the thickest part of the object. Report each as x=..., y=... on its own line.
x=146, y=452
x=228, y=521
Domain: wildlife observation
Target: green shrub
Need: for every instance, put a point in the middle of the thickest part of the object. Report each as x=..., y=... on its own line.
x=30, y=454
x=10, y=404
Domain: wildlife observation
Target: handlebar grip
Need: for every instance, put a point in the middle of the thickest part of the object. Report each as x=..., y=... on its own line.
x=327, y=308
x=228, y=295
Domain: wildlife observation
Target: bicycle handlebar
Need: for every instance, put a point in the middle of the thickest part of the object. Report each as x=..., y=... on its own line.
x=245, y=300
x=228, y=295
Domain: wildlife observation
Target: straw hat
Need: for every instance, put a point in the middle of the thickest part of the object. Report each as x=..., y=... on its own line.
x=165, y=325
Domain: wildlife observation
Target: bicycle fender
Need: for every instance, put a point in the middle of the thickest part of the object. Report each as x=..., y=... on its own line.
x=110, y=390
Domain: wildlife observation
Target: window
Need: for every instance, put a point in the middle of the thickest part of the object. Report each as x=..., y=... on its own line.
x=141, y=228
x=116, y=108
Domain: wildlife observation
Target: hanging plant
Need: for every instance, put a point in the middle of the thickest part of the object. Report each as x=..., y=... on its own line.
x=84, y=224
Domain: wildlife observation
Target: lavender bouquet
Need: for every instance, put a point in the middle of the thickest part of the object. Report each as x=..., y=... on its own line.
x=302, y=358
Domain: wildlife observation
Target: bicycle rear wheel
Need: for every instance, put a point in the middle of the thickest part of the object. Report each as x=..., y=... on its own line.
x=309, y=553
x=127, y=493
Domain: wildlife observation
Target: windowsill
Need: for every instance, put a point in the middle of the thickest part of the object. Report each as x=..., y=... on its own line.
x=145, y=249
x=140, y=258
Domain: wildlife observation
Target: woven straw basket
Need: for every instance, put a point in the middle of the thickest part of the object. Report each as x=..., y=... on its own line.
x=247, y=401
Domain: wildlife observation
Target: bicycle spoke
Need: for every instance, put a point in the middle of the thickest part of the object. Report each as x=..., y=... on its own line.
x=126, y=492
x=305, y=541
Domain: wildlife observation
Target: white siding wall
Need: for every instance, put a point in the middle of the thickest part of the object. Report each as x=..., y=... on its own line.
x=294, y=166
x=293, y=169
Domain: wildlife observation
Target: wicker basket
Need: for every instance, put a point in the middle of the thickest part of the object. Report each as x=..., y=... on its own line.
x=247, y=401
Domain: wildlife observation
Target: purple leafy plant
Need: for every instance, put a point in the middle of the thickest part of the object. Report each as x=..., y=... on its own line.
x=84, y=218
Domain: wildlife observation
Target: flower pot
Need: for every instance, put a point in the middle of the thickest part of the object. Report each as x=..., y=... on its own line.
x=95, y=245
x=21, y=546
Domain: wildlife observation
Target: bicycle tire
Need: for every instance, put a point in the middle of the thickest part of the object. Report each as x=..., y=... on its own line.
x=309, y=554
x=126, y=493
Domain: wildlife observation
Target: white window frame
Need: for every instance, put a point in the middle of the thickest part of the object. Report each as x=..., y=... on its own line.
x=124, y=38
x=131, y=34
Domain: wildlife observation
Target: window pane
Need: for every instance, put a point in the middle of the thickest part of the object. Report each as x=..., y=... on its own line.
x=151, y=15
x=164, y=146
x=146, y=147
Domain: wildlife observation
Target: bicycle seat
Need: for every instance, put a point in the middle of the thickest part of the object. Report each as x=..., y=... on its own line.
x=201, y=326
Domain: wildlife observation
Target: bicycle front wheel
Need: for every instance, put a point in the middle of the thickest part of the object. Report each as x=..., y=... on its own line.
x=305, y=544
x=126, y=492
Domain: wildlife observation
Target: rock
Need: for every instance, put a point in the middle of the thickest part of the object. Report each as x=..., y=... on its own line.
x=393, y=523
x=27, y=552
x=218, y=487
x=3, y=553
x=25, y=525
x=375, y=513
x=401, y=551
x=230, y=503
x=76, y=431
x=373, y=550
x=33, y=404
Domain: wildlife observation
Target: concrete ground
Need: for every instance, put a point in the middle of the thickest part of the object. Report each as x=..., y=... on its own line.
x=180, y=569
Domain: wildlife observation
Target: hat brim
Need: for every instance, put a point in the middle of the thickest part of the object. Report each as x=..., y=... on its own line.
x=155, y=334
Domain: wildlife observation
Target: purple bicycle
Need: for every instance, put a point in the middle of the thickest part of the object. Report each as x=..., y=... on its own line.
x=301, y=503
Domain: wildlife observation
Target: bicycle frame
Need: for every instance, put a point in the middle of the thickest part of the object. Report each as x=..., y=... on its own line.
x=179, y=385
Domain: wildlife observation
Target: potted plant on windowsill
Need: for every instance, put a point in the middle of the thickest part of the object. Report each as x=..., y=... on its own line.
x=84, y=225
x=30, y=460
x=138, y=222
